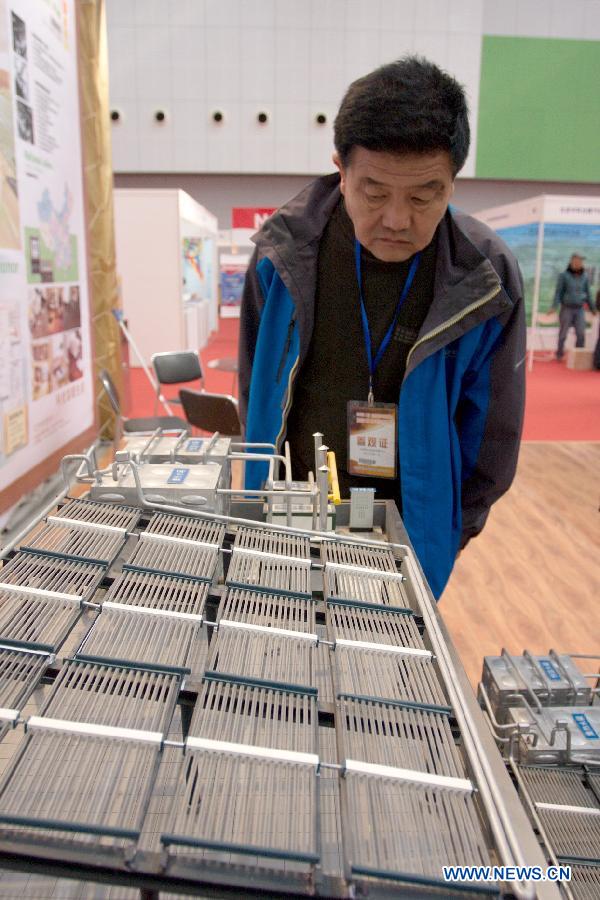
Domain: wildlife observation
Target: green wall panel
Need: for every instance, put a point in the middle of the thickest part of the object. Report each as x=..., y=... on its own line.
x=539, y=109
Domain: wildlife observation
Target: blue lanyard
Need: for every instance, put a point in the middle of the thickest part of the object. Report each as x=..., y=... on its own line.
x=373, y=363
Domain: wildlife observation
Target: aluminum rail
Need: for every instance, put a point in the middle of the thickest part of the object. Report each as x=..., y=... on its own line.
x=524, y=793
x=253, y=523
x=8, y=548
x=499, y=817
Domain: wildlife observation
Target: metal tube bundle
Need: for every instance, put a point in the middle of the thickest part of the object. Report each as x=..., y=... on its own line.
x=287, y=632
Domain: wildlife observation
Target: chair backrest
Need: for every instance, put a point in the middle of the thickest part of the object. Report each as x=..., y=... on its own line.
x=211, y=412
x=177, y=367
x=111, y=391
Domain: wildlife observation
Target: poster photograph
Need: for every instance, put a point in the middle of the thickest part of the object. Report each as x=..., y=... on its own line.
x=46, y=377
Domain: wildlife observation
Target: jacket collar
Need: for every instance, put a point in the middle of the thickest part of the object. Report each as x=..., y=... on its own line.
x=290, y=239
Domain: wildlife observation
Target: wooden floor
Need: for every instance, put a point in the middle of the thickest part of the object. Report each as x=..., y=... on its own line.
x=532, y=578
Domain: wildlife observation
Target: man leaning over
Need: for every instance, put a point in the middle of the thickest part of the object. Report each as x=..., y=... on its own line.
x=367, y=292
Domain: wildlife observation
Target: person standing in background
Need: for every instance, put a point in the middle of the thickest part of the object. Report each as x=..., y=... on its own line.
x=572, y=293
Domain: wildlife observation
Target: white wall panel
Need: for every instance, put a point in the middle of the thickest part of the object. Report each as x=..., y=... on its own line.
x=223, y=67
x=190, y=126
x=221, y=13
x=533, y=18
x=465, y=16
x=293, y=124
x=188, y=71
x=258, y=65
x=125, y=138
x=121, y=12
x=291, y=59
x=155, y=139
x=152, y=12
x=319, y=156
x=394, y=44
x=292, y=66
x=327, y=13
x=464, y=62
x=397, y=16
x=500, y=18
x=433, y=45
x=258, y=141
x=432, y=15
x=591, y=20
x=186, y=12
x=152, y=61
x=223, y=142
x=567, y=19
x=361, y=54
x=326, y=75
x=361, y=16
x=122, y=63
x=257, y=13
x=291, y=14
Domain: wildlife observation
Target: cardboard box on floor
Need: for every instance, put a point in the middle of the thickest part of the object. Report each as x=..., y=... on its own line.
x=580, y=358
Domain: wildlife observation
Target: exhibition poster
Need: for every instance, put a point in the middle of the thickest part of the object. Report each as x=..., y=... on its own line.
x=198, y=268
x=560, y=240
x=233, y=268
x=46, y=380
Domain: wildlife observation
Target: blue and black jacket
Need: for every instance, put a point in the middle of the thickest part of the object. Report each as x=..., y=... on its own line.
x=460, y=404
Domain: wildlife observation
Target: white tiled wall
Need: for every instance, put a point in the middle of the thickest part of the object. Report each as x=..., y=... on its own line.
x=291, y=59
x=575, y=19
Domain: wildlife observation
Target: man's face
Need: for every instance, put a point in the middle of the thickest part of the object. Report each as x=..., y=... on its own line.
x=395, y=201
x=577, y=263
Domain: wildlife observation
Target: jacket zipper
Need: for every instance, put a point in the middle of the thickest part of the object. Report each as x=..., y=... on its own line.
x=288, y=403
x=453, y=320
x=286, y=348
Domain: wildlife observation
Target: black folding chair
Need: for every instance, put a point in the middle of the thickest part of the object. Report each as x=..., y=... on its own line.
x=145, y=423
x=211, y=412
x=176, y=367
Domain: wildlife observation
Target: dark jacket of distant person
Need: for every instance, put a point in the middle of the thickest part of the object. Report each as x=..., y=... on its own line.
x=573, y=289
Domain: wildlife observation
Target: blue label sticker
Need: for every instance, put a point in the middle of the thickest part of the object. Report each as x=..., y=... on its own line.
x=178, y=475
x=550, y=671
x=194, y=445
x=585, y=726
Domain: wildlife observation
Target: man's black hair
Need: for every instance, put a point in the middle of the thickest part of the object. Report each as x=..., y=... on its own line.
x=408, y=106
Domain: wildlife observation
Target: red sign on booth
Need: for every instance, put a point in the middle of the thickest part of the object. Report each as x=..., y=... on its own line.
x=250, y=216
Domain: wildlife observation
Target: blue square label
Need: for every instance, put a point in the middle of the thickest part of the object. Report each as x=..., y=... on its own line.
x=178, y=475
x=549, y=670
x=585, y=726
x=194, y=445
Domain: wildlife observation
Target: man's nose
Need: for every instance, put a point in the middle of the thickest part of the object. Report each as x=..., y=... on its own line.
x=396, y=216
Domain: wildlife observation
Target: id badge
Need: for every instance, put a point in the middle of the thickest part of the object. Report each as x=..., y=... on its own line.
x=372, y=439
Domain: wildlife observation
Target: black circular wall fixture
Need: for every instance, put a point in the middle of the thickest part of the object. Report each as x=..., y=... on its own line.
x=160, y=116
x=218, y=116
x=115, y=115
x=321, y=119
x=262, y=118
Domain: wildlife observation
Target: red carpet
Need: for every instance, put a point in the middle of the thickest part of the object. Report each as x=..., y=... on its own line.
x=223, y=344
x=562, y=404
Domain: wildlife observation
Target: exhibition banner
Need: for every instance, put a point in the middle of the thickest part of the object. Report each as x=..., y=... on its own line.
x=233, y=268
x=251, y=216
x=543, y=232
x=46, y=380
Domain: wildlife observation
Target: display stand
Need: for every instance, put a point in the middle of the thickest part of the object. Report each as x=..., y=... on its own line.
x=235, y=250
x=167, y=261
x=543, y=232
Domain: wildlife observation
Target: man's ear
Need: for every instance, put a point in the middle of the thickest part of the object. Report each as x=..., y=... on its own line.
x=339, y=165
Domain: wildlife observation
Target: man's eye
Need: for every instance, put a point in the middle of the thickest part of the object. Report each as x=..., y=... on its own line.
x=375, y=197
x=421, y=201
